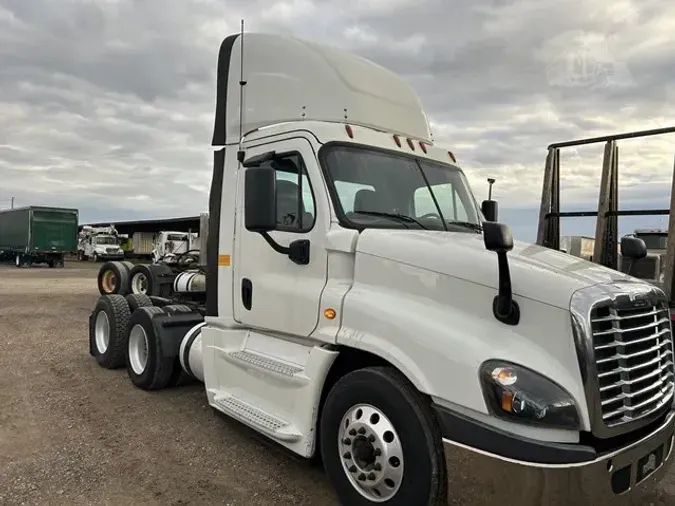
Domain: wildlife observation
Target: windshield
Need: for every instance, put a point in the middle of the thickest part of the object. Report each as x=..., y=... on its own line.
x=387, y=190
x=654, y=241
x=105, y=239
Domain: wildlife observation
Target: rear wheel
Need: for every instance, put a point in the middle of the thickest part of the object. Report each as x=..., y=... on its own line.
x=147, y=366
x=108, y=330
x=380, y=443
x=113, y=278
x=140, y=280
x=136, y=300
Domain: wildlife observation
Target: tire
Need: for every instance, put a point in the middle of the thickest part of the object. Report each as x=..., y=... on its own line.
x=127, y=264
x=112, y=278
x=141, y=280
x=177, y=308
x=149, y=370
x=111, y=311
x=415, y=444
x=136, y=300
x=51, y=263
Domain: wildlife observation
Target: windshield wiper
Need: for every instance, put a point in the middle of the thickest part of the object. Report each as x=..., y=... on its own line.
x=401, y=217
x=467, y=224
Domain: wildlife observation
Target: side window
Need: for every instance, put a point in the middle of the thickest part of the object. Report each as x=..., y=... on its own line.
x=447, y=198
x=295, y=199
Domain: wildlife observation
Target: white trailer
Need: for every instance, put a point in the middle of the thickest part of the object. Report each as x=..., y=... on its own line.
x=361, y=308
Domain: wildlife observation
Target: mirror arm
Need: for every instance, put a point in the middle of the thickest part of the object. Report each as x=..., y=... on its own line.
x=275, y=245
x=504, y=308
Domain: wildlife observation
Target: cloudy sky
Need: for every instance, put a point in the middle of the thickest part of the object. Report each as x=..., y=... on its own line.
x=107, y=105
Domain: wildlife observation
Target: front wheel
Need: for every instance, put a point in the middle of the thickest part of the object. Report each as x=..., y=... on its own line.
x=380, y=443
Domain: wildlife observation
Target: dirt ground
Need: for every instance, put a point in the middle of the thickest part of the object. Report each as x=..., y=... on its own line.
x=74, y=433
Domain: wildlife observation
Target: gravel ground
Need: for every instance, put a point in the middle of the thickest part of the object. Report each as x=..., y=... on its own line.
x=74, y=433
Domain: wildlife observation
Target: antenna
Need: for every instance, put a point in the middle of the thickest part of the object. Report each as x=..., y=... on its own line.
x=242, y=83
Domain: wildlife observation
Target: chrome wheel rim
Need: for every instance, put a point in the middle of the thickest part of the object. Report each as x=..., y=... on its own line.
x=371, y=452
x=138, y=349
x=102, y=332
x=139, y=283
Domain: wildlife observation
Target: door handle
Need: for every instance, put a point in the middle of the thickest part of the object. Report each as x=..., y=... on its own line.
x=247, y=293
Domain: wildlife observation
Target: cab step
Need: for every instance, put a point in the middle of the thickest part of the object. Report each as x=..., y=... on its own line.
x=282, y=370
x=259, y=419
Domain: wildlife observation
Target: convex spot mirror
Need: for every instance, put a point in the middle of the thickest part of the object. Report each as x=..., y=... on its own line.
x=633, y=247
x=489, y=209
x=497, y=237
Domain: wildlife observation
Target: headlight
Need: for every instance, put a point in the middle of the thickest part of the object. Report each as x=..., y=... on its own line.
x=521, y=395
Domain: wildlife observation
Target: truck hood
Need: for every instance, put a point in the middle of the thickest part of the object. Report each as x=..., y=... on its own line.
x=537, y=272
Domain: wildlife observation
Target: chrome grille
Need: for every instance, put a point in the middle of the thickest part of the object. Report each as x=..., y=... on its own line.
x=633, y=351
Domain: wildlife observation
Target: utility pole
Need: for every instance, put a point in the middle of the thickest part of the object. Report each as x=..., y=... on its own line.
x=11, y=200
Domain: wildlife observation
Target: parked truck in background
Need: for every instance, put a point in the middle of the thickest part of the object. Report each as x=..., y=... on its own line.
x=357, y=305
x=99, y=244
x=38, y=235
x=578, y=246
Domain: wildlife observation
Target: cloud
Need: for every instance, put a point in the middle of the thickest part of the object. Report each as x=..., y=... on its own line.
x=108, y=105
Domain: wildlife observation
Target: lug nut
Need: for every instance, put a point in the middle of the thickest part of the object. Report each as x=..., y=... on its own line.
x=347, y=441
x=371, y=476
x=362, y=430
x=347, y=455
x=377, y=452
x=371, y=438
x=362, y=477
x=352, y=432
x=352, y=469
x=377, y=467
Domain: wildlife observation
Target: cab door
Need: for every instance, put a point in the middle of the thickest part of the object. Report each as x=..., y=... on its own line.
x=271, y=292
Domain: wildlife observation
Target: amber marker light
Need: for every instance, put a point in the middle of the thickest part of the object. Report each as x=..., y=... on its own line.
x=329, y=313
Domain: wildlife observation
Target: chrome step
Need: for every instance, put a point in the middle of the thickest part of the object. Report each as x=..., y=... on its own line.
x=261, y=420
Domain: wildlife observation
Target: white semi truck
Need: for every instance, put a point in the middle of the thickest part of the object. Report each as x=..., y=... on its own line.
x=361, y=308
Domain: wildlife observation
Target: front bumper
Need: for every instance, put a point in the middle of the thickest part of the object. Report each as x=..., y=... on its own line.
x=623, y=476
x=111, y=256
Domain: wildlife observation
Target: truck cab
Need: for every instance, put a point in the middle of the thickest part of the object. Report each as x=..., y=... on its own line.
x=362, y=309
x=348, y=254
x=99, y=243
x=169, y=246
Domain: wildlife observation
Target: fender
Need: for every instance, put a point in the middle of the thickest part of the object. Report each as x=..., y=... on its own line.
x=171, y=329
x=430, y=327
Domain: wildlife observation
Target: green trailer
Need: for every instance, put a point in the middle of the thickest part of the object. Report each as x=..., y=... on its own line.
x=37, y=234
